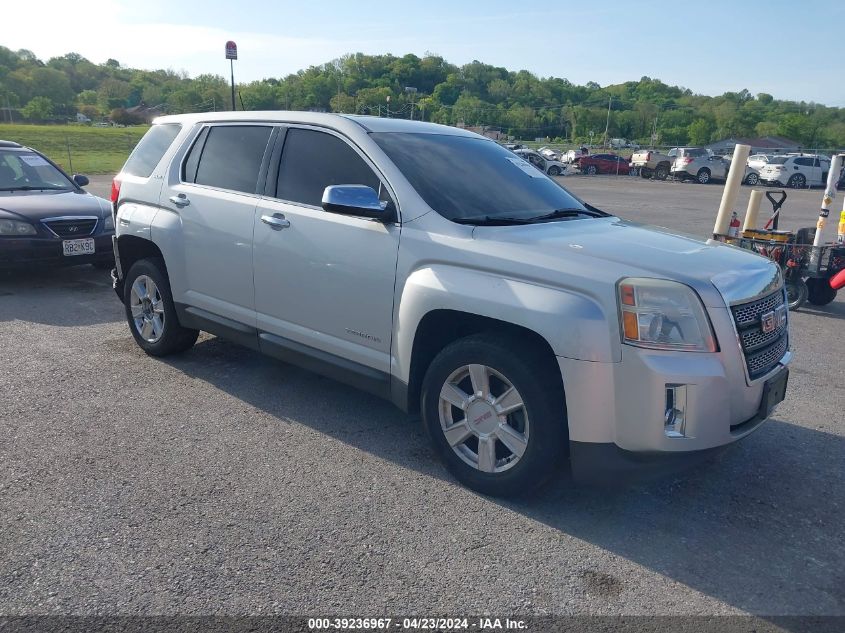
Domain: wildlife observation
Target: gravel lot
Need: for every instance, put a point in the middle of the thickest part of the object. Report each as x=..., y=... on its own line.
x=222, y=482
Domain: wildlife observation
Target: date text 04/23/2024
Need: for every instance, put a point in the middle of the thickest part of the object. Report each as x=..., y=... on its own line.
x=417, y=624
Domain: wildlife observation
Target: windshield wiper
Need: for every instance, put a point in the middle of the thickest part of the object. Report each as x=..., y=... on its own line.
x=491, y=220
x=567, y=213
x=31, y=188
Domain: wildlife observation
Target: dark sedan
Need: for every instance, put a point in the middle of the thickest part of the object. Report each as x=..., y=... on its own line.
x=46, y=218
x=603, y=164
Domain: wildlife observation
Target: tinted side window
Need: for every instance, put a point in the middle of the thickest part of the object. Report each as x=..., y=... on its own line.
x=806, y=162
x=192, y=161
x=311, y=161
x=231, y=158
x=150, y=149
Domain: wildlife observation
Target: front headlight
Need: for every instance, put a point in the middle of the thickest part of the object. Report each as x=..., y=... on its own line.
x=108, y=222
x=14, y=227
x=663, y=314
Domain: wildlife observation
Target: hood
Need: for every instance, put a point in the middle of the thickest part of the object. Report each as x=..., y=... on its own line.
x=608, y=249
x=37, y=205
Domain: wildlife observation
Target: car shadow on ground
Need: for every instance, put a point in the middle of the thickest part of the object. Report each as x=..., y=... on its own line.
x=65, y=297
x=759, y=528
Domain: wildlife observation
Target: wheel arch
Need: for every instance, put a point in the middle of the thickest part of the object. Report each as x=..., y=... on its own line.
x=440, y=327
x=132, y=249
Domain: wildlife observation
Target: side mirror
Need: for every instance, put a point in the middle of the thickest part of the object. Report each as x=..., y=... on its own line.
x=356, y=200
x=81, y=180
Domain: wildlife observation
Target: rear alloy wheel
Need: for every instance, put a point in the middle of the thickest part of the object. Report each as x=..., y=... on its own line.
x=798, y=181
x=752, y=179
x=703, y=176
x=661, y=172
x=495, y=414
x=150, y=310
x=819, y=292
x=591, y=170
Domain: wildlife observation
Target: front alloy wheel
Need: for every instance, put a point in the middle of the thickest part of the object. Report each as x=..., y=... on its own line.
x=493, y=406
x=483, y=418
x=147, y=309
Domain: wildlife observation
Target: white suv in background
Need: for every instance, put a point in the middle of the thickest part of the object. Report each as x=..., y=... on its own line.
x=796, y=171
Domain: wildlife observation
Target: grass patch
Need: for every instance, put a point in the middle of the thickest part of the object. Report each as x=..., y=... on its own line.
x=93, y=150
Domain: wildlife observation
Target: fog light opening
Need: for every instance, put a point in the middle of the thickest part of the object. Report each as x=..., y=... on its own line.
x=674, y=416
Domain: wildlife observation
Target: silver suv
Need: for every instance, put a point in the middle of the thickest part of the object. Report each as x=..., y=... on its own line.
x=432, y=267
x=700, y=165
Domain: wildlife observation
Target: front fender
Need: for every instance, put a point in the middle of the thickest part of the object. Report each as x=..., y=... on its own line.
x=574, y=325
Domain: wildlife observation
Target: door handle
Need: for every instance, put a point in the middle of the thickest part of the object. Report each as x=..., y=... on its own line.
x=277, y=221
x=180, y=200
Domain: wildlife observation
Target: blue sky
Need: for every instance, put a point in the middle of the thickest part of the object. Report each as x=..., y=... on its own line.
x=792, y=49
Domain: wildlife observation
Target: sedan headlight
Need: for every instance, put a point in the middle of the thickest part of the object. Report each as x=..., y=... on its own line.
x=14, y=227
x=663, y=314
x=108, y=222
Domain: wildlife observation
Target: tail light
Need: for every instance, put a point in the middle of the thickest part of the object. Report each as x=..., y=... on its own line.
x=115, y=193
x=687, y=160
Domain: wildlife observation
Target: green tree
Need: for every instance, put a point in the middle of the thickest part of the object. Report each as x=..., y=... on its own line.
x=38, y=109
x=700, y=131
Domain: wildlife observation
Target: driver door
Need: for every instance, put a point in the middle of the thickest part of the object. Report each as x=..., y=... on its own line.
x=323, y=280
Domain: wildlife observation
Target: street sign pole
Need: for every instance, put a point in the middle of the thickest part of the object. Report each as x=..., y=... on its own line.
x=231, y=55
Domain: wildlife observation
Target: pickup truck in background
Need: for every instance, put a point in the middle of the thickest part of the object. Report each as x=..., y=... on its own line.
x=652, y=163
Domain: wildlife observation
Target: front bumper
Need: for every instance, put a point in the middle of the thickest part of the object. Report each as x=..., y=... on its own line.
x=623, y=406
x=46, y=252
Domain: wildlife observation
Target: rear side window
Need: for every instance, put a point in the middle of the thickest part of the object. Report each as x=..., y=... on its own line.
x=231, y=157
x=311, y=161
x=150, y=149
x=806, y=162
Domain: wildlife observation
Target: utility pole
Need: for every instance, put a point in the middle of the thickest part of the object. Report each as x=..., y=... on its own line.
x=412, y=91
x=388, y=106
x=607, y=125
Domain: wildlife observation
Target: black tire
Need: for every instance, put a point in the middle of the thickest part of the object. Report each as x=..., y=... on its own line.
x=798, y=181
x=703, y=176
x=752, y=179
x=554, y=170
x=645, y=173
x=174, y=338
x=536, y=378
x=591, y=170
x=796, y=293
x=819, y=292
x=661, y=172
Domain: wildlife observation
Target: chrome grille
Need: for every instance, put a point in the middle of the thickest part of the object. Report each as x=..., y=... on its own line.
x=72, y=227
x=749, y=313
x=762, y=350
x=762, y=362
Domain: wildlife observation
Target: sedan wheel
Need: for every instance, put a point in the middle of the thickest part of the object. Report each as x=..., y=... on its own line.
x=752, y=179
x=554, y=170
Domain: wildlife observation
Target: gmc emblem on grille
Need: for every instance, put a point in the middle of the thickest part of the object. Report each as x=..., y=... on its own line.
x=771, y=321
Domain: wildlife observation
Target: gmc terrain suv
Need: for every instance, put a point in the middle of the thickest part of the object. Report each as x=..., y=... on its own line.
x=433, y=267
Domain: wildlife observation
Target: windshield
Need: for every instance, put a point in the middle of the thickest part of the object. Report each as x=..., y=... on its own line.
x=465, y=177
x=29, y=171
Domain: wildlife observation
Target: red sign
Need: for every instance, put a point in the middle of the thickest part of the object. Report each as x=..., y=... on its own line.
x=231, y=50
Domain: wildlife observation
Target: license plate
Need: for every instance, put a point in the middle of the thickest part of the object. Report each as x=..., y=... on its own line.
x=78, y=247
x=774, y=391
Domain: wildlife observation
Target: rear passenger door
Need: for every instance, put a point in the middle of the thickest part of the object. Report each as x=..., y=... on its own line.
x=213, y=205
x=323, y=280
